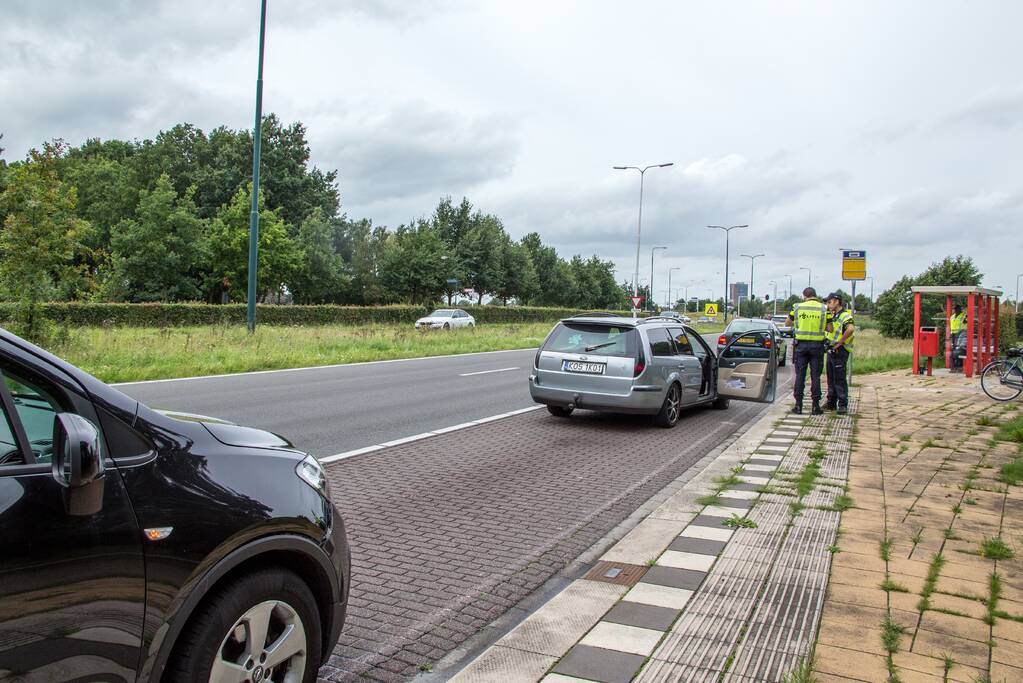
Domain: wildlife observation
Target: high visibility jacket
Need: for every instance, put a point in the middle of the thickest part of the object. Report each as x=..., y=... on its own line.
x=808, y=320
x=957, y=323
x=838, y=322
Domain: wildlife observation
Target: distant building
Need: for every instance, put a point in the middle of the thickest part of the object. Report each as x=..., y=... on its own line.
x=736, y=290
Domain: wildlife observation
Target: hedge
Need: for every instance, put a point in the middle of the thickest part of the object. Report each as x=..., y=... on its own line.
x=180, y=315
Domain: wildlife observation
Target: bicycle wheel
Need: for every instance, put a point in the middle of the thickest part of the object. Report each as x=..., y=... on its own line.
x=1001, y=380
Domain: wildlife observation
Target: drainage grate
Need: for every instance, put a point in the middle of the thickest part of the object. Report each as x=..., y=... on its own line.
x=617, y=573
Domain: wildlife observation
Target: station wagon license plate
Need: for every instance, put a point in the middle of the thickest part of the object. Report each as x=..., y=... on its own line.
x=585, y=368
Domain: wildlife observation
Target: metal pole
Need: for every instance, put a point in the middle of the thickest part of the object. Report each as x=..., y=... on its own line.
x=639, y=222
x=808, y=276
x=728, y=232
x=852, y=304
x=1017, y=291
x=671, y=303
x=256, y=144
x=789, y=295
x=652, y=250
x=751, y=258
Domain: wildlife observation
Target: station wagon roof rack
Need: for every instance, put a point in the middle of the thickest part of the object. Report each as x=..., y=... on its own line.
x=596, y=314
x=655, y=318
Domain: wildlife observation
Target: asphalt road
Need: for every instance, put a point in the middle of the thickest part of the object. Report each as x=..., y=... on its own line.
x=328, y=410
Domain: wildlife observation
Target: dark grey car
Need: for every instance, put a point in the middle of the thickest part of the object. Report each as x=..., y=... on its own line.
x=651, y=366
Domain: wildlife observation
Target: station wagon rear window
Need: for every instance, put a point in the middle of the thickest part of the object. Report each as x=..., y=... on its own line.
x=602, y=340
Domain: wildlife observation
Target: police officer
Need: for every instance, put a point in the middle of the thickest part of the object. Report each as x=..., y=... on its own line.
x=957, y=325
x=808, y=319
x=840, y=335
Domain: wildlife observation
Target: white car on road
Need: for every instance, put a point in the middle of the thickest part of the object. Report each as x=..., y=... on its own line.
x=446, y=319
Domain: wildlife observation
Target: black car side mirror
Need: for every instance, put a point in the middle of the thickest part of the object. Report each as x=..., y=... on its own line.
x=78, y=463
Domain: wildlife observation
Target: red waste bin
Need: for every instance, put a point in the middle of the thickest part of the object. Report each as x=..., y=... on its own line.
x=928, y=341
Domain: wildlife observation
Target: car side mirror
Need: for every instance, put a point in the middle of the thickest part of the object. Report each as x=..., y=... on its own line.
x=78, y=463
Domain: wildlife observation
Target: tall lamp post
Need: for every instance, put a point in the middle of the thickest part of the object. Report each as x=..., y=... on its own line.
x=809, y=273
x=772, y=282
x=790, y=286
x=728, y=232
x=752, y=259
x=1017, y=291
x=256, y=144
x=652, y=250
x=639, y=223
x=671, y=304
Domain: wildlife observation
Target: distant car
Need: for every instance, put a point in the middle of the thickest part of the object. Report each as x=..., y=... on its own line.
x=742, y=327
x=646, y=366
x=677, y=316
x=704, y=320
x=780, y=321
x=446, y=319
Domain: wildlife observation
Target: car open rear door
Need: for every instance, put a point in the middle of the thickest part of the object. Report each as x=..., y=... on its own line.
x=748, y=367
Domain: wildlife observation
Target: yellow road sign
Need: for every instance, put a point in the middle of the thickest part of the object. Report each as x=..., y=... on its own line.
x=710, y=309
x=854, y=265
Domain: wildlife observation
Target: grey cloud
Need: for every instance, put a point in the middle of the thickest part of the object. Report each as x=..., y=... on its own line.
x=999, y=110
x=412, y=151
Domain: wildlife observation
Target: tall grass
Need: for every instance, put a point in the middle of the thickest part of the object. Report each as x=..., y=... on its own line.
x=876, y=353
x=130, y=354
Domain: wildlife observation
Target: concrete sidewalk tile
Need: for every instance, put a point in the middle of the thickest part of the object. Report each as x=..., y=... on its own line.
x=765, y=460
x=684, y=560
x=733, y=492
x=771, y=449
x=1004, y=672
x=742, y=486
x=675, y=578
x=697, y=545
x=853, y=595
x=564, y=619
x=643, y=616
x=754, y=479
x=750, y=467
x=645, y=541
x=559, y=678
x=971, y=608
x=658, y=595
x=844, y=634
x=598, y=664
x=721, y=511
x=734, y=502
x=962, y=627
x=709, y=521
x=504, y=665
x=840, y=660
x=919, y=665
x=969, y=652
x=631, y=639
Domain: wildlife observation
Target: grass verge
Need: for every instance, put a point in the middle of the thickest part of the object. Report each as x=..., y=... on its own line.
x=133, y=354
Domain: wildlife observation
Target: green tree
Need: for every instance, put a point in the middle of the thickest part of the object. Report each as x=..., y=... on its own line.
x=322, y=277
x=41, y=236
x=518, y=278
x=415, y=264
x=228, y=251
x=894, y=308
x=480, y=255
x=156, y=254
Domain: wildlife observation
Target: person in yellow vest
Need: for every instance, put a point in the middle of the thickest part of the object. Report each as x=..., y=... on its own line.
x=956, y=326
x=808, y=319
x=840, y=333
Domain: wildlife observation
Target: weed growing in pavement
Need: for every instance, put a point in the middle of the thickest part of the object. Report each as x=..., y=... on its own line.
x=957, y=509
x=735, y=522
x=890, y=586
x=885, y=546
x=1012, y=472
x=994, y=586
x=834, y=549
x=916, y=538
x=803, y=673
x=947, y=664
x=950, y=535
x=651, y=562
x=426, y=666
x=738, y=469
x=1011, y=431
x=709, y=499
x=804, y=484
x=726, y=480
x=933, y=572
x=891, y=633
x=985, y=421
x=796, y=508
x=995, y=549
x=904, y=437
x=843, y=503
x=969, y=501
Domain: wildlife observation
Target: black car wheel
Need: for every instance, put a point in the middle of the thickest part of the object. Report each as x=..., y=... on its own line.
x=559, y=411
x=262, y=627
x=720, y=403
x=671, y=408
x=447, y=326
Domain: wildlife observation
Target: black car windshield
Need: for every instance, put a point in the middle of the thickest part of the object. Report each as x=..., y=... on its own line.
x=603, y=340
x=441, y=314
x=740, y=326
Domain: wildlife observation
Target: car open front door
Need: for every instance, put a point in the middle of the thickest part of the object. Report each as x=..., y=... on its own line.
x=748, y=367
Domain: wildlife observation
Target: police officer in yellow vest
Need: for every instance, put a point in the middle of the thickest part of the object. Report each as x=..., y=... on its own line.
x=957, y=327
x=808, y=319
x=840, y=335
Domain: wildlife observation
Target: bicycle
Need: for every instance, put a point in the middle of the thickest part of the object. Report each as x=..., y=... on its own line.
x=1002, y=379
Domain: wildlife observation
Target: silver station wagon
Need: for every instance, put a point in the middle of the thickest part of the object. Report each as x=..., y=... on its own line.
x=649, y=366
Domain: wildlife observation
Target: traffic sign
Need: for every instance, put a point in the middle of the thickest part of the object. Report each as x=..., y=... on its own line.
x=452, y=281
x=710, y=309
x=854, y=264
x=637, y=301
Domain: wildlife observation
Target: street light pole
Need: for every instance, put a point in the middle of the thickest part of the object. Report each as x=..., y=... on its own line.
x=790, y=286
x=1017, y=290
x=639, y=223
x=671, y=304
x=728, y=232
x=772, y=282
x=752, y=259
x=809, y=273
x=256, y=144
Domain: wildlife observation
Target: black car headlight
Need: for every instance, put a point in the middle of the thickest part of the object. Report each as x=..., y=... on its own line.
x=311, y=472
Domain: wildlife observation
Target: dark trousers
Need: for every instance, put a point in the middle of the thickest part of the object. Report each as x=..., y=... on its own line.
x=838, y=378
x=808, y=353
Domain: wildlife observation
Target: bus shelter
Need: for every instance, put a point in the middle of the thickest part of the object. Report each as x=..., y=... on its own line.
x=981, y=326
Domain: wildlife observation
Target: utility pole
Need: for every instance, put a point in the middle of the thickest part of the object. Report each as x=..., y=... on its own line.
x=639, y=223
x=772, y=282
x=652, y=250
x=728, y=232
x=671, y=302
x=808, y=276
x=256, y=145
x=1017, y=290
x=752, y=260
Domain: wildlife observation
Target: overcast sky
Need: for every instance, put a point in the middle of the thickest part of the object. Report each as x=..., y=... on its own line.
x=894, y=127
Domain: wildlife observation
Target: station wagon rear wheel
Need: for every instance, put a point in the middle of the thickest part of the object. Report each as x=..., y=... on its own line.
x=671, y=408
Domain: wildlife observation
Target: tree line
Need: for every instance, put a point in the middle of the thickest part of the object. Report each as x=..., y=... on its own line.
x=167, y=219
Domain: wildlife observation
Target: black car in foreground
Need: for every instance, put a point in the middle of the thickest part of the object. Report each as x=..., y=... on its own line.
x=138, y=545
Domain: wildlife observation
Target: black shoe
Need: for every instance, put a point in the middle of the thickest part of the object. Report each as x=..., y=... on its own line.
x=829, y=406
x=797, y=409
x=842, y=410
x=816, y=410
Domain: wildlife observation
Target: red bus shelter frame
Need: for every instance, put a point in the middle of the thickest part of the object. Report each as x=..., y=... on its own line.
x=982, y=324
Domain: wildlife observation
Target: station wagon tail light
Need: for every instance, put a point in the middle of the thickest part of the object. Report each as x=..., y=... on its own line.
x=639, y=367
x=722, y=340
x=767, y=343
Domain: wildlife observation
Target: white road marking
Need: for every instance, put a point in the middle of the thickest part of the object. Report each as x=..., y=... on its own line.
x=425, y=435
x=313, y=367
x=486, y=372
